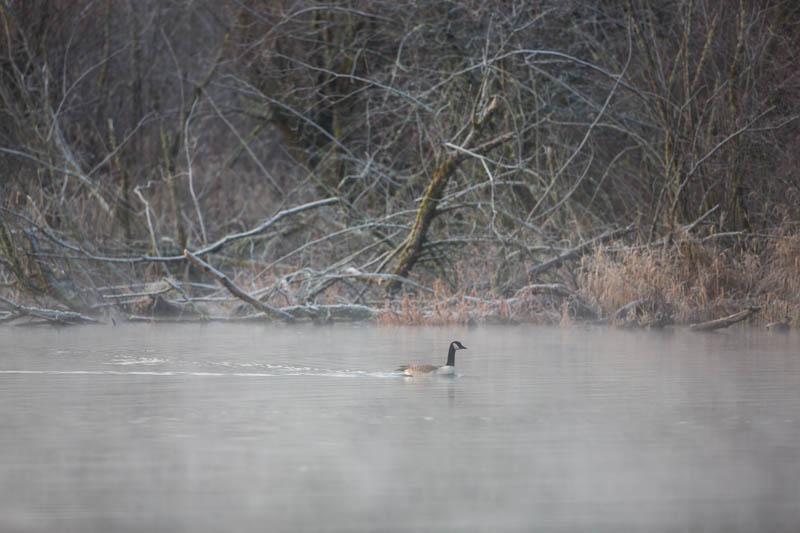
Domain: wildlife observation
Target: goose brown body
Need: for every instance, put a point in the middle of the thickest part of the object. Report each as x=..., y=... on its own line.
x=419, y=369
x=426, y=370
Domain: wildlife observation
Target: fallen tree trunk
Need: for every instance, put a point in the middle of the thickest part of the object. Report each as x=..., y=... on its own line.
x=578, y=251
x=225, y=281
x=720, y=323
x=331, y=313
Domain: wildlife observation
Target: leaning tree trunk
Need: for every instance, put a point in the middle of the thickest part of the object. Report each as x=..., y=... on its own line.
x=409, y=251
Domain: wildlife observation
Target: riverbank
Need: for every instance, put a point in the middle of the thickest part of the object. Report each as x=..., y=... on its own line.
x=682, y=280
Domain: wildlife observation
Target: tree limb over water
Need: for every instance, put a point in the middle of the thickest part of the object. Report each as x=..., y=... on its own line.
x=270, y=311
x=52, y=316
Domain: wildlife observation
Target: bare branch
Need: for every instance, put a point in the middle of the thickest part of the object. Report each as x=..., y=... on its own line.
x=225, y=281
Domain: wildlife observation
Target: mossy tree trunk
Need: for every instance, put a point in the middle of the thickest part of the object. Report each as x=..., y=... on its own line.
x=409, y=251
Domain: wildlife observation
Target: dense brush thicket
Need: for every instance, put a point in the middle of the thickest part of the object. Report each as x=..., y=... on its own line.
x=431, y=161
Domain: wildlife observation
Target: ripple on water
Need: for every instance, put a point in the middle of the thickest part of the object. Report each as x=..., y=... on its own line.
x=144, y=361
x=284, y=371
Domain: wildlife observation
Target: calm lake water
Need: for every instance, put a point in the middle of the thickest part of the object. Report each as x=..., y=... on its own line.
x=264, y=428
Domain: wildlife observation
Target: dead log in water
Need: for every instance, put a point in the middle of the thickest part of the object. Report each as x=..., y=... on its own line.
x=720, y=323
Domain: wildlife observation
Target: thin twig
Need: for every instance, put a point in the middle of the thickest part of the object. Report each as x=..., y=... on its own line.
x=186, y=136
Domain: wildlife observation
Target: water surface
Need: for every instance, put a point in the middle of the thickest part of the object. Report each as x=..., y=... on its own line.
x=264, y=428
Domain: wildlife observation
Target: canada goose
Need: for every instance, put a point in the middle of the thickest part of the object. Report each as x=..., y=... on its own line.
x=426, y=370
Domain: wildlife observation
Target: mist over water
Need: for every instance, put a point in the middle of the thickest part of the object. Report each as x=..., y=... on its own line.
x=250, y=428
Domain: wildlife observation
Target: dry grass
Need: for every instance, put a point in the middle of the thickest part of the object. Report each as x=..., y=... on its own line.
x=442, y=307
x=780, y=283
x=693, y=281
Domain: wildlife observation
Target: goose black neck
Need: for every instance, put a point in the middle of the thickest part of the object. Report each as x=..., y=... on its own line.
x=451, y=355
